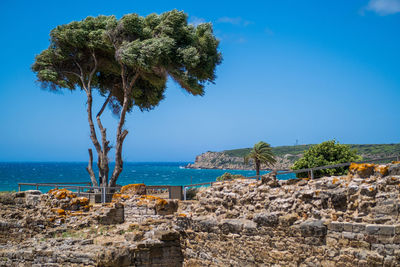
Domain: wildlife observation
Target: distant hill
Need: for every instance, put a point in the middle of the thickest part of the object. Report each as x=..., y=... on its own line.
x=370, y=149
x=285, y=155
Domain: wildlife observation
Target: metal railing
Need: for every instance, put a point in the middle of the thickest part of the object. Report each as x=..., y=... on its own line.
x=174, y=192
x=309, y=170
x=90, y=190
x=55, y=185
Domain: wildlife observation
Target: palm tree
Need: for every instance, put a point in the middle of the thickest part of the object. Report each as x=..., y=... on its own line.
x=260, y=154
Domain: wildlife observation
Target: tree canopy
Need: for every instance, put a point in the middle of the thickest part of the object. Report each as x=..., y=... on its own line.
x=261, y=154
x=326, y=153
x=128, y=61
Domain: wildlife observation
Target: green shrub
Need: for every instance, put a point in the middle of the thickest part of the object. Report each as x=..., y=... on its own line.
x=229, y=176
x=326, y=153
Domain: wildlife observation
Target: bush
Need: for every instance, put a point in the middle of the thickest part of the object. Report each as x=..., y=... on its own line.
x=326, y=153
x=229, y=176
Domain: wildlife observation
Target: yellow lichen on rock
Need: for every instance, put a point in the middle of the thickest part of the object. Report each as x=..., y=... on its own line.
x=59, y=212
x=382, y=169
x=395, y=162
x=362, y=170
x=134, y=189
x=118, y=196
x=61, y=193
x=161, y=202
x=82, y=201
x=149, y=197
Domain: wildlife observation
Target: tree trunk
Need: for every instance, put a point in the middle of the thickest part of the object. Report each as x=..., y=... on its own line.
x=89, y=168
x=103, y=157
x=257, y=169
x=121, y=134
x=93, y=135
x=118, y=148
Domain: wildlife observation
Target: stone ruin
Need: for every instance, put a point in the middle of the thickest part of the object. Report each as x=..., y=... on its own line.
x=350, y=220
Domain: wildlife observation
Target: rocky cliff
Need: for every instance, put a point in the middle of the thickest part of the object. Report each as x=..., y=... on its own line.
x=221, y=160
x=285, y=156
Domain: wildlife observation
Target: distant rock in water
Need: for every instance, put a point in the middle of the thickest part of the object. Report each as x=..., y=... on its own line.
x=221, y=160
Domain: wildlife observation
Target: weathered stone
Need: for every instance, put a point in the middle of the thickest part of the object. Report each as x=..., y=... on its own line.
x=336, y=226
x=113, y=214
x=166, y=207
x=339, y=199
x=313, y=228
x=205, y=224
x=270, y=179
x=288, y=219
x=394, y=169
x=231, y=226
x=266, y=219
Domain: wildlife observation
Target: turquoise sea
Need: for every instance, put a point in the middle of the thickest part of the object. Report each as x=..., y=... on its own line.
x=150, y=173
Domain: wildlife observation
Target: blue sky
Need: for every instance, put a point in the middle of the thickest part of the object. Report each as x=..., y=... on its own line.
x=306, y=70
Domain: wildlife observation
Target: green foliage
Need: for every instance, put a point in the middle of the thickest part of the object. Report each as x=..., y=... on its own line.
x=73, y=51
x=229, y=176
x=260, y=154
x=326, y=153
x=101, y=50
x=158, y=46
x=370, y=149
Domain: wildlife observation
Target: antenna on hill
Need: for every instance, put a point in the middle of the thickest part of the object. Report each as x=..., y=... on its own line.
x=297, y=142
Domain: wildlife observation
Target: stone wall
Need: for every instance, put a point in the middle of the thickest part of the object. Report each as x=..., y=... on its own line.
x=332, y=221
x=207, y=242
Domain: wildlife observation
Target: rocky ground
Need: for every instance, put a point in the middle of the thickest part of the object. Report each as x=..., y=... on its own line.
x=348, y=220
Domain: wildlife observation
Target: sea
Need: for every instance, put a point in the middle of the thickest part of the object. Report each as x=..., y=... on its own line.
x=149, y=173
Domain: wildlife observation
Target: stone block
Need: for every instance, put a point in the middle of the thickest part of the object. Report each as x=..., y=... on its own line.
x=397, y=229
x=336, y=226
x=313, y=228
x=358, y=227
x=348, y=227
x=113, y=214
x=266, y=219
x=231, y=226
x=166, y=206
x=394, y=169
x=348, y=235
x=372, y=229
x=388, y=230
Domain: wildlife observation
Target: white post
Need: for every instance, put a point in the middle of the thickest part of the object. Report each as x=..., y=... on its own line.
x=184, y=193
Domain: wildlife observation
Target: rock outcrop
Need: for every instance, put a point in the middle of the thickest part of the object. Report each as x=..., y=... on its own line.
x=220, y=160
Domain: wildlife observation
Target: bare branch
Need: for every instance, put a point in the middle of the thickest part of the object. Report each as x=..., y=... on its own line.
x=104, y=105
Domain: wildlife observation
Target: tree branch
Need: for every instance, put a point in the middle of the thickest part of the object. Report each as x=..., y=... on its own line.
x=104, y=105
x=121, y=134
x=89, y=168
x=103, y=159
x=93, y=70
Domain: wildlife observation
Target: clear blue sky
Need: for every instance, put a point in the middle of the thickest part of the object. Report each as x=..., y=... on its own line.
x=306, y=70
